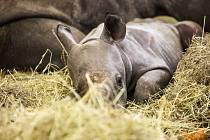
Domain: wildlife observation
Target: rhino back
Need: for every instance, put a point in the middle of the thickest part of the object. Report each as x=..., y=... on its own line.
x=152, y=45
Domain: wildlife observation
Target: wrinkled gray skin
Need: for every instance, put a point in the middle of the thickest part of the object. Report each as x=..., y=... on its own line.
x=140, y=56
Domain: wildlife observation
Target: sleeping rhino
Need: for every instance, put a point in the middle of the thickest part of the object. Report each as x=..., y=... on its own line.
x=140, y=56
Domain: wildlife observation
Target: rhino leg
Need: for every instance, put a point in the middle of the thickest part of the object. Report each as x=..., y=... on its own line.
x=150, y=83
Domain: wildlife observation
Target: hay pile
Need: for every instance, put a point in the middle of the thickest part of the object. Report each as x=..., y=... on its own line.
x=187, y=98
x=40, y=106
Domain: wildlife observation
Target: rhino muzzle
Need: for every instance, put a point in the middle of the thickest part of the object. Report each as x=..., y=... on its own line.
x=106, y=87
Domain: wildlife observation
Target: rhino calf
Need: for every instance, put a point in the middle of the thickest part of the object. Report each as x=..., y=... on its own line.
x=139, y=56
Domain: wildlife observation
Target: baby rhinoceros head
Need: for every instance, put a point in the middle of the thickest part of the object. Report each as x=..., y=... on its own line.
x=97, y=58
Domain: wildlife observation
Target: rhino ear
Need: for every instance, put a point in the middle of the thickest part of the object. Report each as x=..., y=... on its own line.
x=186, y=31
x=115, y=27
x=65, y=37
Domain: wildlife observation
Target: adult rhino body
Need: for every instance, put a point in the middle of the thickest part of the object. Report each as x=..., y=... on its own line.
x=139, y=57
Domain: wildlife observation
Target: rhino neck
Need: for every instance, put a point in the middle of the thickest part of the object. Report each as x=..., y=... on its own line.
x=127, y=64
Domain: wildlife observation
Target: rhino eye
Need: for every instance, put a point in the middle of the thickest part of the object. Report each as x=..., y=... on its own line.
x=119, y=81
